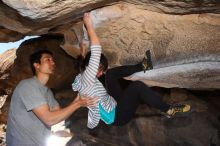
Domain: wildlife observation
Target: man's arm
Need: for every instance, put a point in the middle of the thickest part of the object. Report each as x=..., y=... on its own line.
x=55, y=108
x=50, y=118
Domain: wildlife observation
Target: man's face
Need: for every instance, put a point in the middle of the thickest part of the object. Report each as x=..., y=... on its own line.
x=46, y=65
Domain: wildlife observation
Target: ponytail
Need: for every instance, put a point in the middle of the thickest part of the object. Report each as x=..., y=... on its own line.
x=83, y=62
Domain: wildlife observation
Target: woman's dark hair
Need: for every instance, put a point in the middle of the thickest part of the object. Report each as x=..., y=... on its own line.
x=83, y=62
x=35, y=58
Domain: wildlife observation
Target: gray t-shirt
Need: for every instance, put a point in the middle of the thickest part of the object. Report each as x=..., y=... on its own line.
x=23, y=127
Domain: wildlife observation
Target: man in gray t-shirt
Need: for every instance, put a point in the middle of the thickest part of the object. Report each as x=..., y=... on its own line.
x=23, y=125
x=33, y=109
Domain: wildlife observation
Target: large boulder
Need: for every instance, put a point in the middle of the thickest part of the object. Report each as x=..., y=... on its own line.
x=185, y=48
x=183, y=55
x=37, y=17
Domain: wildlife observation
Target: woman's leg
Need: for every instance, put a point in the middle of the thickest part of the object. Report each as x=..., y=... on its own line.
x=135, y=94
x=114, y=74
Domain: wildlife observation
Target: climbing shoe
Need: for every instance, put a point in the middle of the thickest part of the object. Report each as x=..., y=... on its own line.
x=147, y=63
x=180, y=108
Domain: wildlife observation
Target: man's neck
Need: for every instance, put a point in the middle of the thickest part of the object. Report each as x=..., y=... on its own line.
x=43, y=78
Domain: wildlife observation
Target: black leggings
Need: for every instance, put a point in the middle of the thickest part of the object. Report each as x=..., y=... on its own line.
x=128, y=99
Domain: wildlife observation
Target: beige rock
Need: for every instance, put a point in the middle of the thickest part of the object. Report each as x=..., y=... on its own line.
x=7, y=60
x=64, y=73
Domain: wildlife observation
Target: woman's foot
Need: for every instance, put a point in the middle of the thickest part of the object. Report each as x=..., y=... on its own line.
x=180, y=108
x=147, y=63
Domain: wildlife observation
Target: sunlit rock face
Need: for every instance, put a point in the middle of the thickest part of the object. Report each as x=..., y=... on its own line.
x=6, y=61
x=6, y=64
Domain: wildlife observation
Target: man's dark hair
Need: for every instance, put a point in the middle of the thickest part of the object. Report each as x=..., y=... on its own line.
x=85, y=62
x=35, y=58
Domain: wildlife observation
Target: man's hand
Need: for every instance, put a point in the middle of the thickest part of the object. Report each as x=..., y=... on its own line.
x=85, y=101
x=51, y=117
x=63, y=133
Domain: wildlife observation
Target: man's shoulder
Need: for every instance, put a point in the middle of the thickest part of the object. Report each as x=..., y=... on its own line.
x=27, y=82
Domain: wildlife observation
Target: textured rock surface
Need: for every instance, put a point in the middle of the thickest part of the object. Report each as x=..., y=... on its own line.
x=7, y=61
x=7, y=35
x=185, y=49
x=37, y=17
x=6, y=64
x=42, y=17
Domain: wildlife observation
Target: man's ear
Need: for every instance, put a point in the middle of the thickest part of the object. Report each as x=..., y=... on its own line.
x=36, y=66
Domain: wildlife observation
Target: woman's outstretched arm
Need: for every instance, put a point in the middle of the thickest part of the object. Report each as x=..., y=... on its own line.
x=89, y=75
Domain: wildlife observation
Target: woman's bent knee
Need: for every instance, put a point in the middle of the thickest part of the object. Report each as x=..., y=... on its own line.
x=139, y=84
